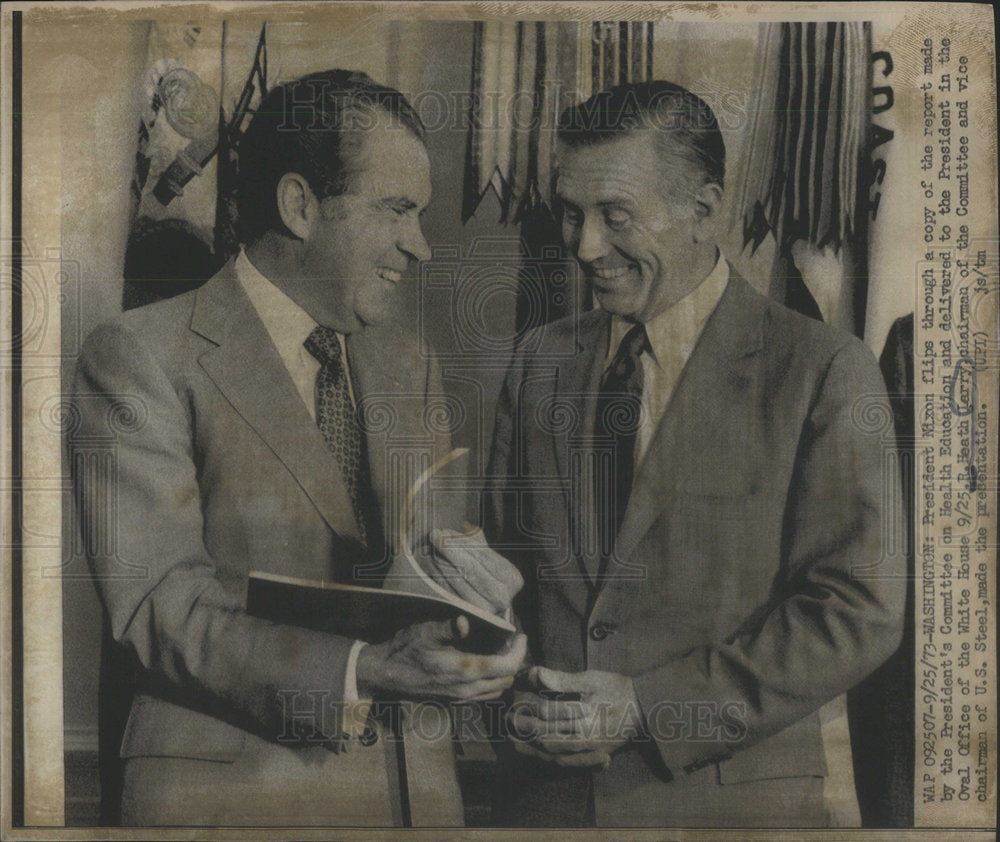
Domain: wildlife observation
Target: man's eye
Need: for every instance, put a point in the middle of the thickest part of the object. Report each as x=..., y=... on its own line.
x=398, y=208
x=574, y=218
x=616, y=220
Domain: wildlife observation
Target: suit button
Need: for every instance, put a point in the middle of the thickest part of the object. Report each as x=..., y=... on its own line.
x=368, y=737
x=599, y=631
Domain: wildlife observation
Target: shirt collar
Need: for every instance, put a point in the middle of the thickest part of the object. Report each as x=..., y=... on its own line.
x=679, y=326
x=286, y=322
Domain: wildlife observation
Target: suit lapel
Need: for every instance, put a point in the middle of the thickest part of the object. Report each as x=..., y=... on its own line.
x=577, y=382
x=247, y=369
x=386, y=389
x=722, y=370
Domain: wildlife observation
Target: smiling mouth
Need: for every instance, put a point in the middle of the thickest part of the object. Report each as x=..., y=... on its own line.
x=391, y=275
x=603, y=277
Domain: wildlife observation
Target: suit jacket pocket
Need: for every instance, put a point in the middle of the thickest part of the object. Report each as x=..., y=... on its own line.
x=795, y=752
x=157, y=728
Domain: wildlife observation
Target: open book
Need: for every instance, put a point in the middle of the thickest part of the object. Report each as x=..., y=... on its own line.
x=409, y=595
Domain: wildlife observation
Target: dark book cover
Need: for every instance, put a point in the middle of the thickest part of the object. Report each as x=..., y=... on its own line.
x=370, y=614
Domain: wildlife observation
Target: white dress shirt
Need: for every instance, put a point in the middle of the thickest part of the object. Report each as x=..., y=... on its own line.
x=672, y=337
x=289, y=326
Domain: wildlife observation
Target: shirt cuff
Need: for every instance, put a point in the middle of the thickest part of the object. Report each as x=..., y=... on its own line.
x=351, y=675
x=355, y=709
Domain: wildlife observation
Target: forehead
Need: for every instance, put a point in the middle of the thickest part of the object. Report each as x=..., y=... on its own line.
x=389, y=159
x=605, y=169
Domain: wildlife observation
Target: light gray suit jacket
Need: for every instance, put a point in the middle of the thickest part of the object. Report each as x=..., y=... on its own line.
x=218, y=469
x=750, y=584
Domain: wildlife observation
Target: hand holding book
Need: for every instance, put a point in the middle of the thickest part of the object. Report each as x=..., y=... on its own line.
x=464, y=563
x=422, y=661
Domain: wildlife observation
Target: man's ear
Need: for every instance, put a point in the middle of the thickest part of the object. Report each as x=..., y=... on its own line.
x=708, y=204
x=295, y=200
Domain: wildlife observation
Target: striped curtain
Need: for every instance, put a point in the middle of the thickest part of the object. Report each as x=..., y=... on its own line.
x=523, y=75
x=808, y=135
x=619, y=53
x=804, y=180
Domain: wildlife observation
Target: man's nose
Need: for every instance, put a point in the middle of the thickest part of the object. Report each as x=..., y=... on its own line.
x=414, y=243
x=592, y=244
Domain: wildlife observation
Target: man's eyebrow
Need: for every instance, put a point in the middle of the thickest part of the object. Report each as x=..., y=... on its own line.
x=603, y=203
x=398, y=202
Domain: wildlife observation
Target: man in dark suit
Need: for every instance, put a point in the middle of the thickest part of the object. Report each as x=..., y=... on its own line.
x=238, y=412
x=694, y=501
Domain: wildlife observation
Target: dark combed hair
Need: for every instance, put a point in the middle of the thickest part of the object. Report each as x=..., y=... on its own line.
x=685, y=123
x=308, y=127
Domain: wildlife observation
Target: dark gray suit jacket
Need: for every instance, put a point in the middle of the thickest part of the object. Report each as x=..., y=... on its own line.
x=750, y=584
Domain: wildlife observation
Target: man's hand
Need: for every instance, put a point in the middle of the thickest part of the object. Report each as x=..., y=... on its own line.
x=420, y=663
x=597, y=714
x=464, y=563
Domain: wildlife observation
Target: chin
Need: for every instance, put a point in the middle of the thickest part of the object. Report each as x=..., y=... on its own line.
x=374, y=318
x=617, y=304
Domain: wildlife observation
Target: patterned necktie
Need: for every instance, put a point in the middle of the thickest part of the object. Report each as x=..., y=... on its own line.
x=619, y=413
x=337, y=419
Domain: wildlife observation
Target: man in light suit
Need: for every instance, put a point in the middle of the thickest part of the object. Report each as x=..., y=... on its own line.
x=238, y=413
x=694, y=502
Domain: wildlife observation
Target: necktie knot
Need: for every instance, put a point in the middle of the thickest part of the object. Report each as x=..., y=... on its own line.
x=324, y=345
x=625, y=365
x=635, y=342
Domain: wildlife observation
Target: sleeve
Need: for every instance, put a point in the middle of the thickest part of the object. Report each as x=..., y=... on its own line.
x=838, y=611
x=142, y=522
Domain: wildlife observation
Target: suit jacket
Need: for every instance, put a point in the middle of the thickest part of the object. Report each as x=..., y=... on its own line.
x=218, y=469
x=749, y=585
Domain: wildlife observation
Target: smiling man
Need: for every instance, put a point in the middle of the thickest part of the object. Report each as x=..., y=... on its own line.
x=248, y=452
x=708, y=570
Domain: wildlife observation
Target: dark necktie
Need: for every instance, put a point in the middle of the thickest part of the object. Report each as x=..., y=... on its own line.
x=619, y=411
x=337, y=419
